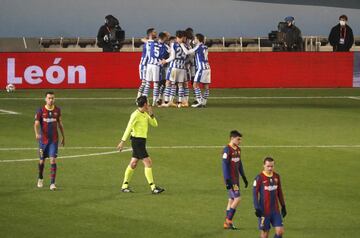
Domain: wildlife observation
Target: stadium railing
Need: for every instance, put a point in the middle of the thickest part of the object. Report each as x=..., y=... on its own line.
x=83, y=44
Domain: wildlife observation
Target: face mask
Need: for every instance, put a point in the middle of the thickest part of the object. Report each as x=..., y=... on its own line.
x=342, y=23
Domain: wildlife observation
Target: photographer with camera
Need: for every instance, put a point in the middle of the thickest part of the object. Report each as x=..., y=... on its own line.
x=110, y=35
x=293, y=39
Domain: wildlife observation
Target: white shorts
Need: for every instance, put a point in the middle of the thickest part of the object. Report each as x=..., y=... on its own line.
x=177, y=75
x=203, y=76
x=153, y=73
x=142, y=72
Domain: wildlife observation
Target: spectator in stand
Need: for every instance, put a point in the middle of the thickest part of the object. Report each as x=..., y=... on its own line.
x=341, y=36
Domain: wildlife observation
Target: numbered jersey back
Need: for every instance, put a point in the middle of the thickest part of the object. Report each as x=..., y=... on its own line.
x=180, y=57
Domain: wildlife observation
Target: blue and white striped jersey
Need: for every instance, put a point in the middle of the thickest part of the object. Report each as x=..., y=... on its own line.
x=144, y=59
x=156, y=52
x=177, y=56
x=201, y=57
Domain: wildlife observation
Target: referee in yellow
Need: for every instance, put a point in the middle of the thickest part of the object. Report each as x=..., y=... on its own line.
x=138, y=129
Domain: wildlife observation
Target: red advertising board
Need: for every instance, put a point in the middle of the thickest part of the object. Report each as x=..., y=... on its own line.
x=228, y=70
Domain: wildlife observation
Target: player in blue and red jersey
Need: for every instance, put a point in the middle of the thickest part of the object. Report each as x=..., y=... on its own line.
x=47, y=121
x=268, y=194
x=232, y=170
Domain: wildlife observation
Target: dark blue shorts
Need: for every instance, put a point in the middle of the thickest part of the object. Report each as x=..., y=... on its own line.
x=274, y=220
x=234, y=192
x=48, y=150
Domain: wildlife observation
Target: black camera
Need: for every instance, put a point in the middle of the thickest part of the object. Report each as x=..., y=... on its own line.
x=277, y=38
x=115, y=35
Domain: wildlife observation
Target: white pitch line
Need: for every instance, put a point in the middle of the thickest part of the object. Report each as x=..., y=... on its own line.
x=185, y=147
x=67, y=157
x=8, y=112
x=167, y=147
x=213, y=97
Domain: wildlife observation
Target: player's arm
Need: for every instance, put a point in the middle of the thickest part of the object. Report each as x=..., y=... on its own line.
x=281, y=199
x=61, y=127
x=37, y=129
x=172, y=55
x=256, y=191
x=127, y=132
x=37, y=124
x=152, y=120
x=242, y=174
x=226, y=168
x=189, y=52
x=148, y=49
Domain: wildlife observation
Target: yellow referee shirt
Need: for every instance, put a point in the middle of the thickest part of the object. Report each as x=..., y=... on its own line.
x=138, y=125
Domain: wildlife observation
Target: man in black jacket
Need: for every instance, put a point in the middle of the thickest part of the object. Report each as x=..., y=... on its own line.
x=110, y=35
x=341, y=36
x=293, y=38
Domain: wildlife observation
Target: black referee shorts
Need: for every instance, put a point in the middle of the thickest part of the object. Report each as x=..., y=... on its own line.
x=139, y=148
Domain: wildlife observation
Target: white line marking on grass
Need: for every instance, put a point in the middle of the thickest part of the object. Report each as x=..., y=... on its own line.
x=285, y=97
x=167, y=147
x=8, y=112
x=184, y=147
x=67, y=156
x=214, y=97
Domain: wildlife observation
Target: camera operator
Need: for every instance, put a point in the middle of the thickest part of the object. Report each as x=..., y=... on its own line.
x=293, y=39
x=110, y=35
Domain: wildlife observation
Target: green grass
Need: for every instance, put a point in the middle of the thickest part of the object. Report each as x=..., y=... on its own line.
x=320, y=184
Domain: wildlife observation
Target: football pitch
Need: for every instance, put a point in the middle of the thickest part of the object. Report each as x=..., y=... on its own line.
x=313, y=135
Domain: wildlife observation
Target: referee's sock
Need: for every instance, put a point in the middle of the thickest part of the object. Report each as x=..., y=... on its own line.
x=127, y=177
x=150, y=178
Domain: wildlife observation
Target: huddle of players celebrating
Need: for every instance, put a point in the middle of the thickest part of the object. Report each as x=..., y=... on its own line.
x=170, y=63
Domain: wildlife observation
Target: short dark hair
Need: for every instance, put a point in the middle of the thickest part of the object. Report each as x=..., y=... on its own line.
x=189, y=33
x=49, y=92
x=172, y=38
x=189, y=29
x=343, y=17
x=180, y=34
x=235, y=133
x=200, y=37
x=140, y=101
x=268, y=159
x=150, y=30
x=162, y=35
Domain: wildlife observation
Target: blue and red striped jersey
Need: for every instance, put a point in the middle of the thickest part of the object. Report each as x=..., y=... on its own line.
x=232, y=165
x=48, y=122
x=267, y=193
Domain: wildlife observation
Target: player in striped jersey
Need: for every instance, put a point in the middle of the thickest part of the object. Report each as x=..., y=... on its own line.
x=203, y=72
x=189, y=65
x=150, y=34
x=47, y=122
x=156, y=51
x=176, y=72
x=268, y=195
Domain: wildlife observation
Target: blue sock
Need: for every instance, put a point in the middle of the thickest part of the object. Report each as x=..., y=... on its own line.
x=227, y=213
x=231, y=214
x=53, y=173
x=146, y=89
x=276, y=236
